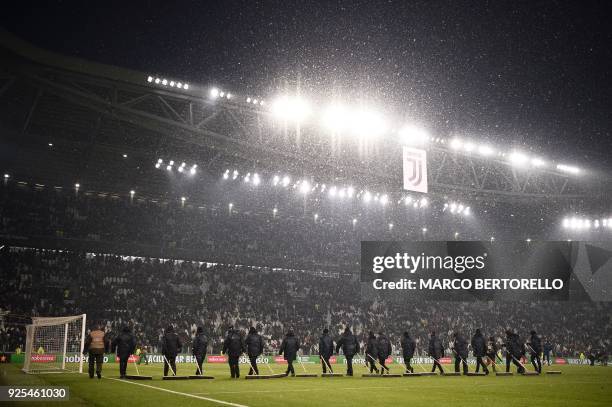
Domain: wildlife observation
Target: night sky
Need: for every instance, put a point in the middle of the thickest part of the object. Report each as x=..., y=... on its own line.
x=530, y=72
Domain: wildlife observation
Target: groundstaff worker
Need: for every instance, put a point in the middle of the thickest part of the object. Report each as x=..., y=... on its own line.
x=233, y=347
x=460, y=348
x=479, y=349
x=326, y=350
x=384, y=351
x=548, y=348
x=95, y=345
x=535, y=348
x=350, y=346
x=436, y=351
x=288, y=350
x=200, y=343
x=254, y=346
x=170, y=347
x=514, y=351
x=371, y=352
x=492, y=352
x=408, y=346
x=124, y=344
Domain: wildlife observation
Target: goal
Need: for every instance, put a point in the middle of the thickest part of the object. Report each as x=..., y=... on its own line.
x=55, y=345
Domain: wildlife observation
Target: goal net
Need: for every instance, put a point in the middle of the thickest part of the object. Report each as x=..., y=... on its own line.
x=55, y=345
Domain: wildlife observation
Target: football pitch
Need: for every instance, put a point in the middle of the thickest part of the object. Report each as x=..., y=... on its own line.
x=577, y=386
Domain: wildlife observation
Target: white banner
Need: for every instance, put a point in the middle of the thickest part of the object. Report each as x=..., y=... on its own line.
x=415, y=169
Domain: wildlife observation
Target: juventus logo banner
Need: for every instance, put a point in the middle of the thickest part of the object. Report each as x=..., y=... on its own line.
x=415, y=169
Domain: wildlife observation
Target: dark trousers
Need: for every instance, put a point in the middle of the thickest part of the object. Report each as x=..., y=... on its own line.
x=547, y=358
x=172, y=360
x=383, y=367
x=408, y=365
x=123, y=361
x=438, y=365
x=460, y=360
x=536, y=362
x=234, y=367
x=479, y=363
x=372, y=363
x=511, y=359
x=97, y=359
x=253, y=368
x=325, y=364
x=349, y=365
x=290, y=369
x=199, y=362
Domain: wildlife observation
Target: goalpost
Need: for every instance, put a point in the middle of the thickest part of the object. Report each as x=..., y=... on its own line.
x=51, y=341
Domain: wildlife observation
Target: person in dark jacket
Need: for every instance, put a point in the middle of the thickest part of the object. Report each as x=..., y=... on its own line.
x=233, y=347
x=200, y=343
x=95, y=346
x=460, y=349
x=479, y=349
x=289, y=348
x=170, y=347
x=254, y=347
x=408, y=346
x=492, y=352
x=371, y=352
x=383, y=344
x=514, y=351
x=436, y=351
x=326, y=350
x=124, y=344
x=535, y=348
x=350, y=346
x=548, y=348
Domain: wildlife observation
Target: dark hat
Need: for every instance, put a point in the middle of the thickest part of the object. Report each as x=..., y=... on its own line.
x=406, y=333
x=478, y=331
x=169, y=328
x=347, y=329
x=532, y=332
x=326, y=331
x=252, y=330
x=200, y=330
x=125, y=329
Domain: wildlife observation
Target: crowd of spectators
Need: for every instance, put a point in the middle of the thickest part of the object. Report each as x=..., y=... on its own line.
x=147, y=294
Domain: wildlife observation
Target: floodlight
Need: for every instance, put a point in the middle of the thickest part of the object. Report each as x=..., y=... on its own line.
x=254, y=101
x=316, y=216
x=214, y=93
x=568, y=168
x=368, y=124
x=164, y=82
x=225, y=175
x=248, y=100
x=157, y=165
x=171, y=162
x=367, y=197
x=332, y=191
x=354, y=221
x=390, y=226
x=169, y=168
x=566, y=223
x=305, y=187
x=157, y=80
x=350, y=191
x=179, y=85
x=466, y=211
x=256, y=180
x=424, y=230
x=384, y=199
x=132, y=192
x=274, y=211
x=180, y=169
x=77, y=185
x=286, y=181
x=537, y=162
x=336, y=118
x=159, y=160
x=517, y=158
x=485, y=150
x=222, y=94
x=424, y=202
x=275, y=180
x=235, y=174
x=456, y=144
x=150, y=79
x=192, y=171
x=290, y=108
x=186, y=86
x=407, y=200
x=468, y=147
x=413, y=135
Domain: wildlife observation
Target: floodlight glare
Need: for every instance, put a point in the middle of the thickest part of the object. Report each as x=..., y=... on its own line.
x=568, y=168
x=157, y=80
x=332, y=191
x=517, y=158
x=132, y=192
x=368, y=124
x=275, y=180
x=456, y=144
x=485, y=150
x=537, y=162
x=293, y=109
x=384, y=199
x=367, y=197
x=150, y=79
x=336, y=118
x=179, y=85
x=256, y=180
x=235, y=174
x=350, y=191
x=157, y=165
x=192, y=171
x=214, y=93
x=186, y=86
x=164, y=82
x=424, y=202
x=180, y=169
x=286, y=181
x=169, y=168
x=248, y=100
x=413, y=135
x=342, y=193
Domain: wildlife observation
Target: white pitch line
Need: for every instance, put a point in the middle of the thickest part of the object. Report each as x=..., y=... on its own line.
x=192, y=395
